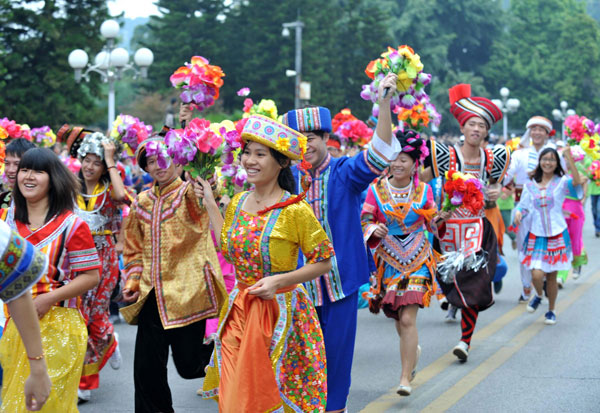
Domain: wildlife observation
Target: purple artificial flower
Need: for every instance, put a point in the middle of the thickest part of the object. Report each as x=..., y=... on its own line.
x=408, y=101
x=457, y=198
x=158, y=149
x=375, y=110
x=240, y=177
x=476, y=182
x=228, y=170
x=424, y=78
x=228, y=156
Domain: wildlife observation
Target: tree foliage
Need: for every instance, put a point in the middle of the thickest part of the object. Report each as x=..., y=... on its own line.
x=544, y=51
x=550, y=52
x=36, y=80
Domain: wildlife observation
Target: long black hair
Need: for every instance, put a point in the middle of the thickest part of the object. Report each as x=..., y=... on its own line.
x=285, y=179
x=537, y=174
x=63, y=185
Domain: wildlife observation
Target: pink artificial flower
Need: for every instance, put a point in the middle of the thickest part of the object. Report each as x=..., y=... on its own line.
x=245, y=91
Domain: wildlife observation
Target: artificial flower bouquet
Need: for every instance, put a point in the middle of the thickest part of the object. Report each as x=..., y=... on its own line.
x=43, y=136
x=199, y=81
x=410, y=86
x=462, y=191
x=420, y=115
x=583, y=132
x=129, y=131
x=11, y=129
x=197, y=148
x=343, y=116
x=355, y=133
x=593, y=172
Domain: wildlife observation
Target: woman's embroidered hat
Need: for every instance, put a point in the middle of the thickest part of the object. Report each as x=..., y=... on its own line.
x=308, y=119
x=275, y=135
x=463, y=106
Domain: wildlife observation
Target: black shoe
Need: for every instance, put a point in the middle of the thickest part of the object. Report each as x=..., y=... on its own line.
x=597, y=234
x=497, y=286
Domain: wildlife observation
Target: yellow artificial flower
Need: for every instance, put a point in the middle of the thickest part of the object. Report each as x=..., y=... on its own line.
x=403, y=83
x=282, y=144
x=415, y=62
x=3, y=133
x=406, y=52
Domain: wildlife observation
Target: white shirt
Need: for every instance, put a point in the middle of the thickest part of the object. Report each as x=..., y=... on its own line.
x=545, y=206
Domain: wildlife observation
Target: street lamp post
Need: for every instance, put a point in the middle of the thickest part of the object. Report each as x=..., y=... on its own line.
x=507, y=106
x=110, y=63
x=562, y=114
x=298, y=25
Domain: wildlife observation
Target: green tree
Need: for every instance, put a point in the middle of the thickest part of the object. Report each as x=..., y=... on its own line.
x=34, y=44
x=549, y=52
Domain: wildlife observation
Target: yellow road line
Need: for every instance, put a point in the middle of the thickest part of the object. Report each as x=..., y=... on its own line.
x=391, y=399
x=451, y=396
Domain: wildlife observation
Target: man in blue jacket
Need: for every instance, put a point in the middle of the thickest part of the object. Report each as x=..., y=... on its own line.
x=334, y=192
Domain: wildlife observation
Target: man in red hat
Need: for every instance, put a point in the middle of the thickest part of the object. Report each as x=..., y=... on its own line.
x=468, y=236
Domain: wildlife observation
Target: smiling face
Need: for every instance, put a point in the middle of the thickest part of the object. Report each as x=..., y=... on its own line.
x=402, y=167
x=539, y=135
x=260, y=165
x=475, y=130
x=316, y=148
x=11, y=166
x=549, y=163
x=34, y=185
x=92, y=168
x=160, y=176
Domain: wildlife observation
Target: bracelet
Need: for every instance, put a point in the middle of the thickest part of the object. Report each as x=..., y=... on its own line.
x=36, y=358
x=113, y=166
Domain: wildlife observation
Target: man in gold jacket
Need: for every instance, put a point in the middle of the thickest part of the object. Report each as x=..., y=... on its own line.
x=173, y=275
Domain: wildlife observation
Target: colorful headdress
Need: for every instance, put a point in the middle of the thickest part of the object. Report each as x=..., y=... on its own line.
x=308, y=119
x=73, y=137
x=463, y=106
x=275, y=135
x=92, y=143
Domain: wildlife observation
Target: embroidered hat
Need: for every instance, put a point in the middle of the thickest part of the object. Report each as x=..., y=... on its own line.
x=463, y=106
x=275, y=135
x=72, y=136
x=21, y=264
x=308, y=119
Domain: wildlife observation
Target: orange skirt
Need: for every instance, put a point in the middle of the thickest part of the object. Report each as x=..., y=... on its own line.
x=269, y=355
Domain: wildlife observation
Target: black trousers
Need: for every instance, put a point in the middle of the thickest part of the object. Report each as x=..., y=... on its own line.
x=152, y=392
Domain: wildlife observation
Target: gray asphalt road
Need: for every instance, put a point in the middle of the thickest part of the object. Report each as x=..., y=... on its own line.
x=516, y=362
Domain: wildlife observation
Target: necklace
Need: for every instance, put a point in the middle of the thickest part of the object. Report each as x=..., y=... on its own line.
x=400, y=194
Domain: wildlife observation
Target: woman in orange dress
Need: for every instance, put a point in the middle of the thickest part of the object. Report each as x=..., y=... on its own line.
x=269, y=352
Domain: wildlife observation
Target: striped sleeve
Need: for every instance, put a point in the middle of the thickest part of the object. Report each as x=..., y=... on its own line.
x=81, y=249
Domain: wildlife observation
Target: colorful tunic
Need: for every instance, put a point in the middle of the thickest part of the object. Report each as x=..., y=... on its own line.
x=269, y=354
x=468, y=233
x=404, y=258
x=68, y=243
x=168, y=247
x=547, y=246
x=335, y=196
x=104, y=219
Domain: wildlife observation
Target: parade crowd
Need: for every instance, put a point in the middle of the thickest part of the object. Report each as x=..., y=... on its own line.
x=248, y=259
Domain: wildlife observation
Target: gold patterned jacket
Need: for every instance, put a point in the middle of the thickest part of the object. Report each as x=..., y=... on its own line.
x=168, y=247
